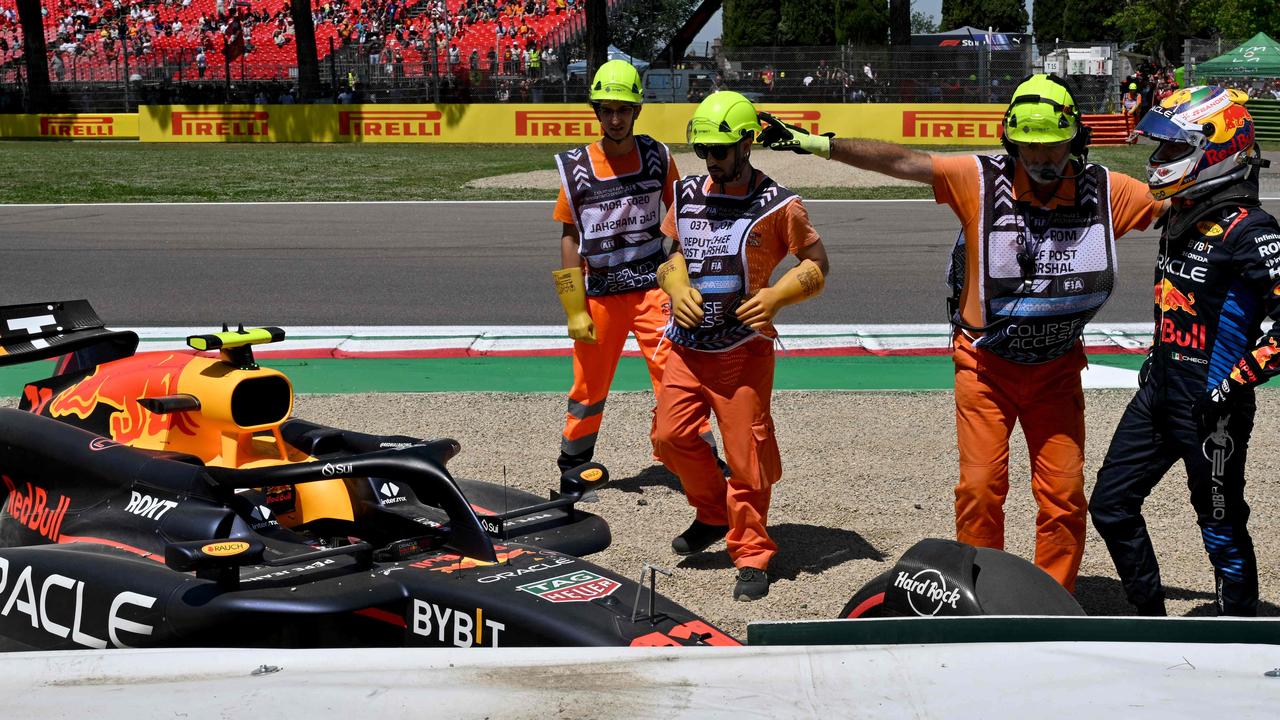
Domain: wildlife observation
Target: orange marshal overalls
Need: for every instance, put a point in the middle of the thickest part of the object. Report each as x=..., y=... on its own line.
x=736, y=385
x=642, y=311
x=992, y=393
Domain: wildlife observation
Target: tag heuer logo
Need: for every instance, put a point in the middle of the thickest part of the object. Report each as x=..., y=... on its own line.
x=581, y=586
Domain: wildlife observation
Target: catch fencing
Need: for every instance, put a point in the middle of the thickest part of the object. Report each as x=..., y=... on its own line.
x=954, y=74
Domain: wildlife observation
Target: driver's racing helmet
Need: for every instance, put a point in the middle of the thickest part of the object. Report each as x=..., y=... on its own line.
x=1206, y=141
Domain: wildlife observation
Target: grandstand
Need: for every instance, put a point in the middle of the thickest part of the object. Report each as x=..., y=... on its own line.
x=185, y=39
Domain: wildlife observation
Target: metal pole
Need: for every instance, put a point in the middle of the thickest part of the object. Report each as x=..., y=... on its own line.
x=333, y=71
x=435, y=69
x=124, y=47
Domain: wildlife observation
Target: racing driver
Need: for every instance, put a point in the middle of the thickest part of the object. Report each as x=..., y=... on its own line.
x=610, y=208
x=1215, y=281
x=732, y=227
x=1034, y=261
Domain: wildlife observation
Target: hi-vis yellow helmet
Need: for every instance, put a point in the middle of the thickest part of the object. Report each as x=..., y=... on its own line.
x=723, y=118
x=1041, y=111
x=618, y=81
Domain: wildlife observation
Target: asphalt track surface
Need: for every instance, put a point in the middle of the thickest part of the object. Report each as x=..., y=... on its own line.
x=442, y=263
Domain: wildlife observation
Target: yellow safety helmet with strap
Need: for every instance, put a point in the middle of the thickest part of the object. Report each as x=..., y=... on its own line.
x=1042, y=111
x=723, y=118
x=619, y=81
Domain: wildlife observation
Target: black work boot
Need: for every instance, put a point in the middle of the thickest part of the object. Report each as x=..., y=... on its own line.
x=698, y=537
x=1153, y=607
x=567, y=462
x=752, y=584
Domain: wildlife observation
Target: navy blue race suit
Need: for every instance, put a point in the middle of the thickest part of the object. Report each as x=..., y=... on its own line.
x=1216, y=280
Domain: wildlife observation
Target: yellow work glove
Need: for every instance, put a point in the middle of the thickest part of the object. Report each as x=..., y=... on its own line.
x=572, y=290
x=778, y=135
x=686, y=301
x=800, y=283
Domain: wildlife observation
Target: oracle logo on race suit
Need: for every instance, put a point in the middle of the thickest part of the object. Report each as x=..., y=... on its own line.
x=57, y=606
x=389, y=123
x=557, y=123
x=952, y=124
x=77, y=126
x=456, y=627
x=219, y=123
x=927, y=591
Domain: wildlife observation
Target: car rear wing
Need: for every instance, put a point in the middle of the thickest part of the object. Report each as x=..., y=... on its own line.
x=69, y=329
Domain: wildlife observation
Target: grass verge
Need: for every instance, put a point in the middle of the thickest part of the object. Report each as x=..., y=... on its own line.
x=89, y=172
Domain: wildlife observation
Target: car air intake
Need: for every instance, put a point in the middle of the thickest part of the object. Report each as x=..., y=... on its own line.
x=260, y=401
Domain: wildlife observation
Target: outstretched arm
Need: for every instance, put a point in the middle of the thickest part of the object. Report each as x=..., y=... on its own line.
x=882, y=157
x=885, y=158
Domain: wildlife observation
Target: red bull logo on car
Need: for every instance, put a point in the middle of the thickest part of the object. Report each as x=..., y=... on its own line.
x=1170, y=298
x=36, y=509
x=119, y=390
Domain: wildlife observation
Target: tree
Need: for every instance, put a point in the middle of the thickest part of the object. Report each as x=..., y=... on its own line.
x=751, y=23
x=35, y=55
x=1076, y=21
x=304, y=41
x=899, y=22
x=1238, y=19
x=1008, y=16
x=806, y=23
x=922, y=23
x=1159, y=26
x=641, y=29
x=862, y=22
x=597, y=12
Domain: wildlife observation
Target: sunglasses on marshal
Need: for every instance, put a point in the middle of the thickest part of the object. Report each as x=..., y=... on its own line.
x=719, y=152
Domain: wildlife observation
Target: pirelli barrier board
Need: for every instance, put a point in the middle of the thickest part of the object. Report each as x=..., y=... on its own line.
x=913, y=124
x=77, y=126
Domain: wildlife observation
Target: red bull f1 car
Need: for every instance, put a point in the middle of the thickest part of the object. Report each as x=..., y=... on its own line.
x=163, y=499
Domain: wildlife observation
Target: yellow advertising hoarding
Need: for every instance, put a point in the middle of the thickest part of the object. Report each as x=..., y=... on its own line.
x=70, y=126
x=913, y=124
